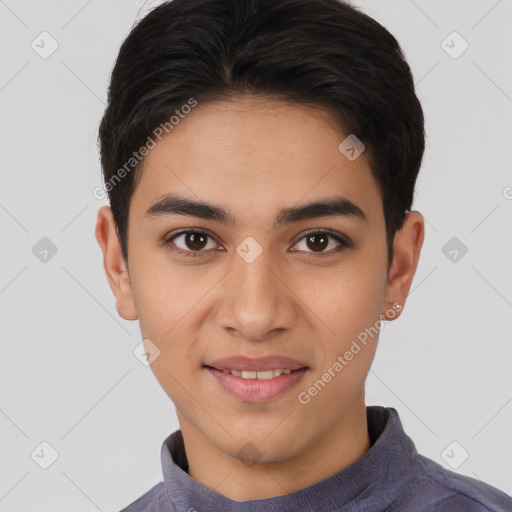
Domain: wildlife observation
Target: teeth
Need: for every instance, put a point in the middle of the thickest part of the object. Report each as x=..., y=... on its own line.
x=268, y=374
x=263, y=375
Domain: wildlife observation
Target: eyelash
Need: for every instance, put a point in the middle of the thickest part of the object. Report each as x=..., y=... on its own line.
x=343, y=244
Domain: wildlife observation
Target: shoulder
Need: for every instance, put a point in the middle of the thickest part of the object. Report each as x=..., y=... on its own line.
x=437, y=488
x=155, y=500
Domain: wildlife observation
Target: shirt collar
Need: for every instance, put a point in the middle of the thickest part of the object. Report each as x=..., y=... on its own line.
x=371, y=483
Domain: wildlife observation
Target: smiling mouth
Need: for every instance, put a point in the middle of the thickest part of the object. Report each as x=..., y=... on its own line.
x=256, y=386
x=260, y=375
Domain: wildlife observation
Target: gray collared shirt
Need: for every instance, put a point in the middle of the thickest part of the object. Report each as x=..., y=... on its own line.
x=390, y=477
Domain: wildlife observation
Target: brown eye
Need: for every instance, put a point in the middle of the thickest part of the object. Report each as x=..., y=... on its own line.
x=319, y=241
x=190, y=242
x=195, y=241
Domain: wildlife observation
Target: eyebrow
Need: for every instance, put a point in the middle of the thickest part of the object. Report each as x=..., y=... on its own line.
x=171, y=204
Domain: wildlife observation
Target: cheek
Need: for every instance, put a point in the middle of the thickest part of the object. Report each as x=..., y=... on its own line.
x=347, y=355
x=350, y=306
x=163, y=295
x=167, y=303
x=352, y=300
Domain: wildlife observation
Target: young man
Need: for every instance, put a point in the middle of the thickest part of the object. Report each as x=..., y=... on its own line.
x=260, y=159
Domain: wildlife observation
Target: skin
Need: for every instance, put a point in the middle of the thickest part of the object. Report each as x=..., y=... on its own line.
x=254, y=156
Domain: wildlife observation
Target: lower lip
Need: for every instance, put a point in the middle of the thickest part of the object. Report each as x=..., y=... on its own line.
x=257, y=390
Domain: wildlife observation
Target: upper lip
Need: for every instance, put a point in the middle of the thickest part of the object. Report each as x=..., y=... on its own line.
x=271, y=362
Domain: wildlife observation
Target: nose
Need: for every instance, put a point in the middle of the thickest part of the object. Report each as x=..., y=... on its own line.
x=257, y=302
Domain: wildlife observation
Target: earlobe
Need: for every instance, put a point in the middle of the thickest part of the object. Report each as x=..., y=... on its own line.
x=407, y=248
x=114, y=264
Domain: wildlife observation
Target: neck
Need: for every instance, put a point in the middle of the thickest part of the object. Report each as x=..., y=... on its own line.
x=340, y=447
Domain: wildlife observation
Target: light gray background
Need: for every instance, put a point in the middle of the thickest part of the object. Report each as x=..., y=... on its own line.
x=68, y=374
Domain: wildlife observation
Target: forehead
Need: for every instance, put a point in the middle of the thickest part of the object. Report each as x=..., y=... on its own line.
x=256, y=155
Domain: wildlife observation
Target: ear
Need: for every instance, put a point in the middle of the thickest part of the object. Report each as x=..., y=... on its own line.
x=114, y=264
x=406, y=253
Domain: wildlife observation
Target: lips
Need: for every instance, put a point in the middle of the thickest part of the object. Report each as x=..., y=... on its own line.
x=257, y=379
x=256, y=390
x=243, y=363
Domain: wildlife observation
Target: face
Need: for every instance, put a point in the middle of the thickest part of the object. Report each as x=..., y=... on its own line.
x=263, y=283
